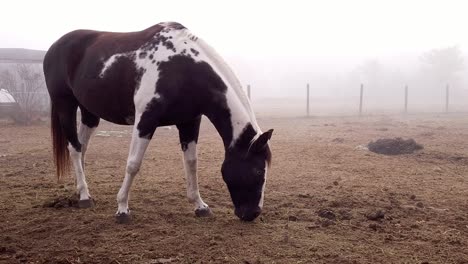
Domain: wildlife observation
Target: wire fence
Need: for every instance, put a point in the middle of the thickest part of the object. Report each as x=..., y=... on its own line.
x=313, y=105
x=365, y=101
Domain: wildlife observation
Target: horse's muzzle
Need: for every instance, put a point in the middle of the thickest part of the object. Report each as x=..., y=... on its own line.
x=247, y=214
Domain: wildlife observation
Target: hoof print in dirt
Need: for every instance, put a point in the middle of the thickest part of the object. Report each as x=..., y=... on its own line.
x=325, y=222
x=345, y=214
x=89, y=203
x=338, y=140
x=203, y=212
x=123, y=218
x=327, y=213
x=374, y=226
x=375, y=215
x=395, y=146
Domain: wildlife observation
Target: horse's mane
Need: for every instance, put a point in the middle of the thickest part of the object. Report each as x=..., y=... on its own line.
x=231, y=78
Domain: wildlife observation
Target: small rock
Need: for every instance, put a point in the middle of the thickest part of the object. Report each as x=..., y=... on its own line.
x=326, y=213
x=293, y=218
x=361, y=147
x=376, y=215
x=420, y=204
x=412, y=197
x=161, y=260
x=438, y=170
x=312, y=227
x=335, y=183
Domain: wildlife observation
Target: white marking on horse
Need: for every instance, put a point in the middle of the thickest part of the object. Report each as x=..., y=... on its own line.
x=84, y=134
x=108, y=63
x=137, y=150
x=81, y=185
x=146, y=91
x=260, y=204
x=190, y=165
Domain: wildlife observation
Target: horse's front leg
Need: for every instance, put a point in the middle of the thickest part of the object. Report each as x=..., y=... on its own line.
x=138, y=147
x=188, y=133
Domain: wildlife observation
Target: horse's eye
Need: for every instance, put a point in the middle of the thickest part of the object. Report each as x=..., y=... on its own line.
x=259, y=172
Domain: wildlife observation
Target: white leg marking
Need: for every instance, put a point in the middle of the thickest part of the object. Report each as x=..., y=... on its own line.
x=260, y=204
x=190, y=164
x=137, y=150
x=84, y=134
x=81, y=185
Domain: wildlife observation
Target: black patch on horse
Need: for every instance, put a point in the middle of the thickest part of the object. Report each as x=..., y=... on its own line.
x=142, y=55
x=194, y=51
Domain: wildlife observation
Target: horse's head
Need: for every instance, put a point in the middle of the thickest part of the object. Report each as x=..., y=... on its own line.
x=244, y=171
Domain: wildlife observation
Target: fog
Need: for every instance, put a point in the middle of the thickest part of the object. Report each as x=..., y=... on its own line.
x=278, y=47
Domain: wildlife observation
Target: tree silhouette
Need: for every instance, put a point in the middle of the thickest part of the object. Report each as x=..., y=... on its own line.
x=443, y=65
x=27, y=86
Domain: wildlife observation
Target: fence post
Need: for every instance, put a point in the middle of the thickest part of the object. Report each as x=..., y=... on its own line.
x=447, y=98
x=308, y=93
x=360, y=99
x=406, y=99
x=248, y=91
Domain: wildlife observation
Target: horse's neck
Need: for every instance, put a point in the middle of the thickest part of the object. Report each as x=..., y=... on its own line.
x=233, y=122
x=233, y=117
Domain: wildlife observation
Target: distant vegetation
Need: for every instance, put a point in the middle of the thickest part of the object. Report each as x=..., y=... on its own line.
x=21, y=75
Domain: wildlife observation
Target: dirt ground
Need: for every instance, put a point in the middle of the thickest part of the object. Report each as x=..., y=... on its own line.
x=328, y=199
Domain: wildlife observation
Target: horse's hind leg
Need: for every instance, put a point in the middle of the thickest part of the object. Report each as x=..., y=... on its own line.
x=188, y=134
x=77, y=144
x=65, y=108
x=88, y=124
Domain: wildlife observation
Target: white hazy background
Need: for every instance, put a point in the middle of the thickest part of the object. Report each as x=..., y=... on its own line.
x=279, y=46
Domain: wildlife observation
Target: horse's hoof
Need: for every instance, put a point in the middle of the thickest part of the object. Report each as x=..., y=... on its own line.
x=123, y=218
x=203, y=212
x=86, y=203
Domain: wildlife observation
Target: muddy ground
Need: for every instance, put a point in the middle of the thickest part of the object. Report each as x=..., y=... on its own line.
x=328, y=199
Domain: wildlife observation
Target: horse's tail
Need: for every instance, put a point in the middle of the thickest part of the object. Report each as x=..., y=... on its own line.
x=59, y=144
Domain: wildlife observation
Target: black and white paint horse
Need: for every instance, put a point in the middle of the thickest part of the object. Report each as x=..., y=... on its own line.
x=160, y=76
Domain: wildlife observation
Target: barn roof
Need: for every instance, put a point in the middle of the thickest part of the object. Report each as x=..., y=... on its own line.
x=6, y=97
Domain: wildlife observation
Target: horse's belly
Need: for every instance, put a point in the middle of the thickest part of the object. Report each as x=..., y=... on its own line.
x=118, y=110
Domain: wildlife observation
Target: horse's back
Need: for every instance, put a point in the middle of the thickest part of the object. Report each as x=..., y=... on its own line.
x=73, y=63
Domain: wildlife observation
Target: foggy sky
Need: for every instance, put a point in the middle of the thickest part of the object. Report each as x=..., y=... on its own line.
x=270, y=44
x=254, y=28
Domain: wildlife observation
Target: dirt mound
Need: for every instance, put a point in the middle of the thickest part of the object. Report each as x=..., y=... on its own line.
x=394, y=146
x=63, y=202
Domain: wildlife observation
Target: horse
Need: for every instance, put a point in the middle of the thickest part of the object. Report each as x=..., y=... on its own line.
x=161, y=76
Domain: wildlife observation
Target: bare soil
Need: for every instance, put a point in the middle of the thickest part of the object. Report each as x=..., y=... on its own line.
x=328, y=199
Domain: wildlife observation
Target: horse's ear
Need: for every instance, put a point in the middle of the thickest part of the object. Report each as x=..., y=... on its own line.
x=262, y=141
